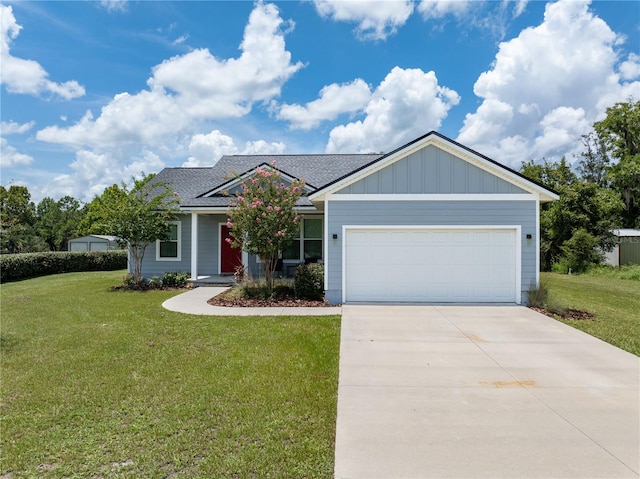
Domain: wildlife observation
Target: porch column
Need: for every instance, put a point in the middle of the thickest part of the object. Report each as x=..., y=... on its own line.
x=194, y=246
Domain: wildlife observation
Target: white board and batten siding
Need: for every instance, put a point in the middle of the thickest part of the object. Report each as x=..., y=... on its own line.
x=431, y=264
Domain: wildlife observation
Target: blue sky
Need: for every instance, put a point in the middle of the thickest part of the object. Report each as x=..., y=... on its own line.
x=94, y=93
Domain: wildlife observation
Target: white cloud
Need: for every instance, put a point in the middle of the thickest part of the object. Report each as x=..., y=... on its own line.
x=93, y=172
x=376, y=19
x=261, y=147
x=630, y=69
x=11, y=127
x=206, y=150
x=333, y=100
x=188, y=88
x=10, y=157
x=406, y=104
x=27, y=76
x=140, y=131
x=546, y=87
x=491, y=17
x=520, y=7
x=181, y=39
x=560, y=128
x=114, y=5
x=439, y=8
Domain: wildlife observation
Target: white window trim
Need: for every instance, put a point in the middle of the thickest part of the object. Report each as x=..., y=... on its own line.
x=179, y=241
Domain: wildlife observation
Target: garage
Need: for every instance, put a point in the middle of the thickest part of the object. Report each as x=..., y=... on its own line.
x=94, y=243
x=431, y=264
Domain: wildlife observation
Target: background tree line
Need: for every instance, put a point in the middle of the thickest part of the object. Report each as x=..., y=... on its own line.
x=600, y=193
x=28, y=228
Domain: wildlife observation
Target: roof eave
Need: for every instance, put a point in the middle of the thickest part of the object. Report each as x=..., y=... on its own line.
x=433, y=137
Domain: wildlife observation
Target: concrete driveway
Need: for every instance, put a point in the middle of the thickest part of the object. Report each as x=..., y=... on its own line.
x=482, y=392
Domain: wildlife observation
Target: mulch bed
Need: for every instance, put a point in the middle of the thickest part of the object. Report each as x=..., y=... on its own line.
x=570, y=314
x=226, y=299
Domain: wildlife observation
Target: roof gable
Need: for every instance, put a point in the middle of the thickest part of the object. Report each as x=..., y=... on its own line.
x=442, y=160
x=234, y=185
x=192, y=184
x=431, y=170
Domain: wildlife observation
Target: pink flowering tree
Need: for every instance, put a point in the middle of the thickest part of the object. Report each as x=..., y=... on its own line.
x=262, y=219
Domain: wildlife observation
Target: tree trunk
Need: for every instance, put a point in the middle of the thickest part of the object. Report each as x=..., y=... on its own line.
x=137, y=255
x=268, y=265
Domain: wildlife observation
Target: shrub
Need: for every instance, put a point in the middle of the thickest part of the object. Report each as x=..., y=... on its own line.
x=308, y=281
x=537, y=295
x=174, y=279
x=14, y=267
x=581, y=250
x=130, y=282
x=562, y=266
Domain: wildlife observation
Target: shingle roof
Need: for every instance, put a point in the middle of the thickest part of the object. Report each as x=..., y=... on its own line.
x=320, y=172
x=316, y=170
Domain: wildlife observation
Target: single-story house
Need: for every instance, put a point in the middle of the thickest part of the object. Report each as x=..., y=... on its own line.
x=94, y=243
x=627, y=249
x=432, y=221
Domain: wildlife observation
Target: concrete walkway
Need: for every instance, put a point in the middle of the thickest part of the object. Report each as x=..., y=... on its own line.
x=195, y=300
x=482, y=392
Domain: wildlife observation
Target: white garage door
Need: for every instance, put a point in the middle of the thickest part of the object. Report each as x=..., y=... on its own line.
x=430, y=265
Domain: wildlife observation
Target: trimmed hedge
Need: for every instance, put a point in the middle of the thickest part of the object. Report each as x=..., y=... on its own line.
x=14, y=267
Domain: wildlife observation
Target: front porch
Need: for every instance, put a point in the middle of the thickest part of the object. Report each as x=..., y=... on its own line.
x=212, y=260
x=212, y=280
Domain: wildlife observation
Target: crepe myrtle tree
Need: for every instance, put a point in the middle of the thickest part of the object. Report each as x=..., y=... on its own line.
x=139, y=215
x=262, y=220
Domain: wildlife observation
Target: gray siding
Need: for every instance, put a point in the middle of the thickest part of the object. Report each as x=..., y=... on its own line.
x=425, y=213
x=208, y=237
x=431, y=171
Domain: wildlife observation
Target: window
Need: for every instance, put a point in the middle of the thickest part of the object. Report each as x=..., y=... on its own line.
x=308, y=245
x=169, y=249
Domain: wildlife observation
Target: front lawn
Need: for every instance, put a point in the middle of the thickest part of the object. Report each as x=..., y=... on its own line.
x=614, y=301
x=101, y=383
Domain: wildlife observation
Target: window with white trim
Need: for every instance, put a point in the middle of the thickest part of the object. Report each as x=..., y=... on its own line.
x=308, y=244
x=169, y=249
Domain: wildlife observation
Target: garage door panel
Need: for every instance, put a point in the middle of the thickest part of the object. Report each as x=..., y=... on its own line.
x=430, y=265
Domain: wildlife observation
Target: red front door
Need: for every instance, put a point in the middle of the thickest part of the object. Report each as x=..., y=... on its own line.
x=230, y=258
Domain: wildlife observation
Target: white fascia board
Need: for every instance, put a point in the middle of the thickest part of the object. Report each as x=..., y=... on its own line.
x=248, y=174
x=225, y=209
x=433, y=197
x=476, y=160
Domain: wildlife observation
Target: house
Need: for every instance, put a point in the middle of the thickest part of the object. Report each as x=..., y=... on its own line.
x=432, y=221
x=94, y=243
x=627, y=249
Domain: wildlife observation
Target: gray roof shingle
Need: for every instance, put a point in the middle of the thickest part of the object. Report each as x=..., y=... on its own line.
x=317, y=171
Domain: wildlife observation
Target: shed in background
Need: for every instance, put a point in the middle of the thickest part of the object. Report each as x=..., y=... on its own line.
x=94, y=243
x=627, y=251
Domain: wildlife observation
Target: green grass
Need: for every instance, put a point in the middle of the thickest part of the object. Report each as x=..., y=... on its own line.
x=631, y=272
x=614, y=300
x=101, y=383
